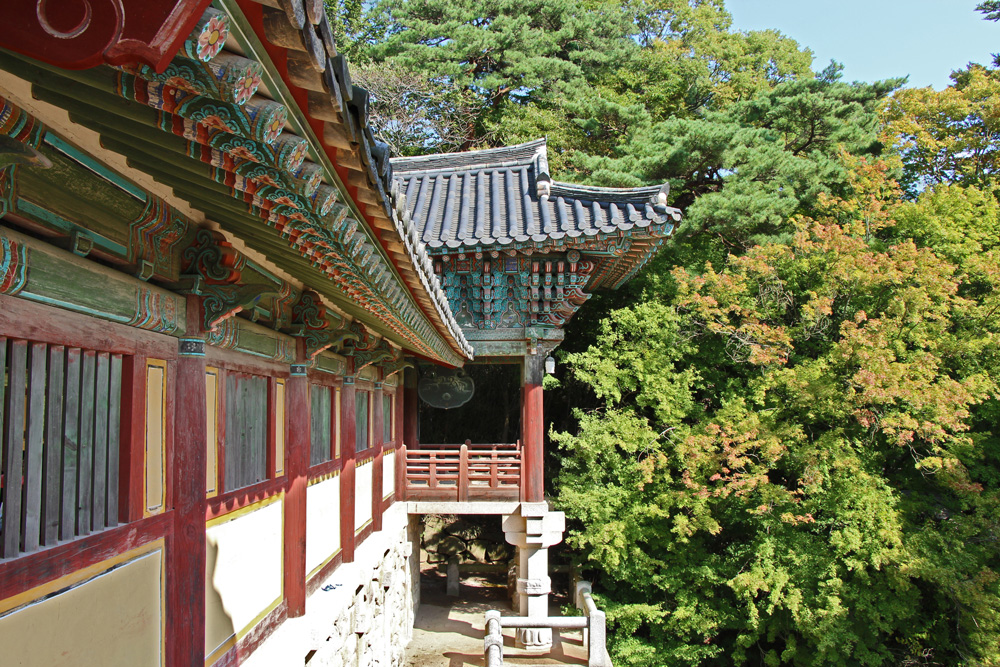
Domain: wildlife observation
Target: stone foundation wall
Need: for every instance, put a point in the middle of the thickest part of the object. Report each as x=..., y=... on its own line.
x=362, y=615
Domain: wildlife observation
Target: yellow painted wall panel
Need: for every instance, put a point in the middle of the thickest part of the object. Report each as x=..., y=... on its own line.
x=156, y=390
x=243, y=577
x=388, y=473
x=322, y=522
x=212, y=435
x=113, y=619
x=279, y=435
x=363, y=494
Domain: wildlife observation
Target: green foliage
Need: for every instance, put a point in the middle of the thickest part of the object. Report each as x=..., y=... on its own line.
x=784, y=447
x=952, y=136
x=786, y=466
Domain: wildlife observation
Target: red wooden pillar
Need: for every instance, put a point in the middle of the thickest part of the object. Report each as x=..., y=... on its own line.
x=296, y=472
x=410, y=434
x=186, y=544
x=398, y=441
x=532, y=431
x=378, y=425
x=348, y=448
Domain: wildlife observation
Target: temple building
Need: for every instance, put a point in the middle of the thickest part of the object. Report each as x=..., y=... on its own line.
x=221, y=303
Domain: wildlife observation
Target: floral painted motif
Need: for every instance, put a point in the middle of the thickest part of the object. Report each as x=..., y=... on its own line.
x=216, y=123
x=298, y=156
x=243, y=153
x=212, y=38
x=246, y=86
x=274, y=129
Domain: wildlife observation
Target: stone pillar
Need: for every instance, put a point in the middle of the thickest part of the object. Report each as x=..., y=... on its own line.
x=533, y=529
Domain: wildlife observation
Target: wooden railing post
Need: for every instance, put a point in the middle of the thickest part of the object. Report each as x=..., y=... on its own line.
x=401, y=473
x=463, y=474
x=432, y=471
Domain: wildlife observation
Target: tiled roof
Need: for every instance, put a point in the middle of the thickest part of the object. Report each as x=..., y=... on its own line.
x=505, y=196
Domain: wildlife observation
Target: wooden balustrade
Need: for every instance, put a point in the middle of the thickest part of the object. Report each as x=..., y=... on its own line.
x=462, y=473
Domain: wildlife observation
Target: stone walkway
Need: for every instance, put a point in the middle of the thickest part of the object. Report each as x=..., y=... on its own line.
x=449, y=631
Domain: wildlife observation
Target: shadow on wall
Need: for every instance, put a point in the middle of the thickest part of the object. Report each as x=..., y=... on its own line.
x=220, y=633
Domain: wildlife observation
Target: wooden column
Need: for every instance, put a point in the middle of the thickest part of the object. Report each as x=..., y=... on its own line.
x=533, y=431
x=348, y=449
x=398, y=439
x=409, y=390
x=297, y=471
x=186, y=544
x=378, y=425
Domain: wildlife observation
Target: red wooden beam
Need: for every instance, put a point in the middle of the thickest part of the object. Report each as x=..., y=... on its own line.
x=78, y=35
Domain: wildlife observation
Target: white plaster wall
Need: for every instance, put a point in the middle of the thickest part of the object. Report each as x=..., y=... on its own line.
x=388, y=474
x=322, y=522
x=362, y=614
x=363, y=494
x=247, y=554
x=114, y=618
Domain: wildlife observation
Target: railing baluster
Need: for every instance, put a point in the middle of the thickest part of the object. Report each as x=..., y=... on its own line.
x=463, y=474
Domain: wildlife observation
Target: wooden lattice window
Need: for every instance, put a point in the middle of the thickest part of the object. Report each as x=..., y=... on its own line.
x=59, y=443
x=322, y=425
x=246, y=430
x=387, y=418
x=361, y=422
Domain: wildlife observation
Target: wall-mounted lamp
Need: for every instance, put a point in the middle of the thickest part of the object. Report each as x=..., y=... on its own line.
x=550, y=365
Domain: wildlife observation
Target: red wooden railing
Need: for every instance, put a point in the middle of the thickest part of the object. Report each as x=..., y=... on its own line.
x=462, y=473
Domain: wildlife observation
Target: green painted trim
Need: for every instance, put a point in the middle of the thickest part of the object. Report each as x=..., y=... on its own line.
x=43, y=215
x=93, y=165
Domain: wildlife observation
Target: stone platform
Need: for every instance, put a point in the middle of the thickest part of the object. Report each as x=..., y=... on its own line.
x=449, y=631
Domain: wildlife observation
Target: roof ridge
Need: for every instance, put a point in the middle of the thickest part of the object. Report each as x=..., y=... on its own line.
x=520, y=154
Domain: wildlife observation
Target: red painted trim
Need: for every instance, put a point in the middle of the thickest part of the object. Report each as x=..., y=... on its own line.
x=325, y=468
x=38, y=322
x=297, y=448
x=253, y=639
x=533, y=437
x=133, y=439
x=317, y=579
x=117, y=33
x=365, y=455
x=22, y=574
x=240, y=362
x=348, y=441
x=364, y=533
x=240, y=498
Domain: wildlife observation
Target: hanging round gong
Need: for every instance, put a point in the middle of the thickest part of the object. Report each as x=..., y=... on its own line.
x=445, y=387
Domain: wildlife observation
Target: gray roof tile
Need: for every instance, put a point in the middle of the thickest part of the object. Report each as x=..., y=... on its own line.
x=505, y=195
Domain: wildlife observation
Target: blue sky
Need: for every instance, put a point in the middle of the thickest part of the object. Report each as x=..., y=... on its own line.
x=880, y=39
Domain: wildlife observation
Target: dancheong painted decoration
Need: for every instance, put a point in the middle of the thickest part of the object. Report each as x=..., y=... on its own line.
x=519, y=253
